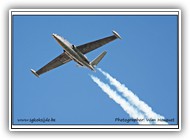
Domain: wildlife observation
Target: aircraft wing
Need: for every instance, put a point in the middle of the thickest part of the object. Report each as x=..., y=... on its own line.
x=58, y=61
x=85, y=48
x=88, y=47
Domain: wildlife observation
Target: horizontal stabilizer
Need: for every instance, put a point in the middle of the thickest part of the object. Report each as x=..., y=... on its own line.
x=98, y=59
x=34, y=72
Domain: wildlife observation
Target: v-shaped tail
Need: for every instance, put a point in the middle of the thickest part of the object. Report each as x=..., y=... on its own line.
x=98, y=59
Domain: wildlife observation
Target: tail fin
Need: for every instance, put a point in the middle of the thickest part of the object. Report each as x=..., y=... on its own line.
x=98, y=59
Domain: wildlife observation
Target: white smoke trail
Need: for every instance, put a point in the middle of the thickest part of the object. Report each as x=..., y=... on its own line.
x=133, y=99
x=133, y=113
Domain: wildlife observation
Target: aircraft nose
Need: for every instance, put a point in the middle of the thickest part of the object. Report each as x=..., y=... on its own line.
x=54, y=35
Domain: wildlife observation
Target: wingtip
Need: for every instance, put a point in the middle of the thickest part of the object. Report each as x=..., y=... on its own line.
x=34, y=72
x=116, y=34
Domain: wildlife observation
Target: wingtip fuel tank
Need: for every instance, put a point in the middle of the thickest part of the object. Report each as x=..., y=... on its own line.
x=116, y=34
x=34, y=72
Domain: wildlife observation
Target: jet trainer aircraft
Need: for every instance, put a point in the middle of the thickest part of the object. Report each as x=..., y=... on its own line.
x=71, y=52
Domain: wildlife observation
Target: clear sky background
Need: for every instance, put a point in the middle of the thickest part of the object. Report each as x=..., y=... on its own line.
x=145, y=60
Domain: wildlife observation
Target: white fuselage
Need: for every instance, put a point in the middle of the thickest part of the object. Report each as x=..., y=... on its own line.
x=72, y=53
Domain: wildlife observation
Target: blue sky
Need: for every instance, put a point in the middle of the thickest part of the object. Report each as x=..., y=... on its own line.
x=145, y=60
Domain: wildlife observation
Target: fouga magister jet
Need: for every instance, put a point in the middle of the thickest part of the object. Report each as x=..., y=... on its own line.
x=71, y=52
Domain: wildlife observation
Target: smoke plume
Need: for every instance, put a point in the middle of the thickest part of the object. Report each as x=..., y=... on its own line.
x=132, y=98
